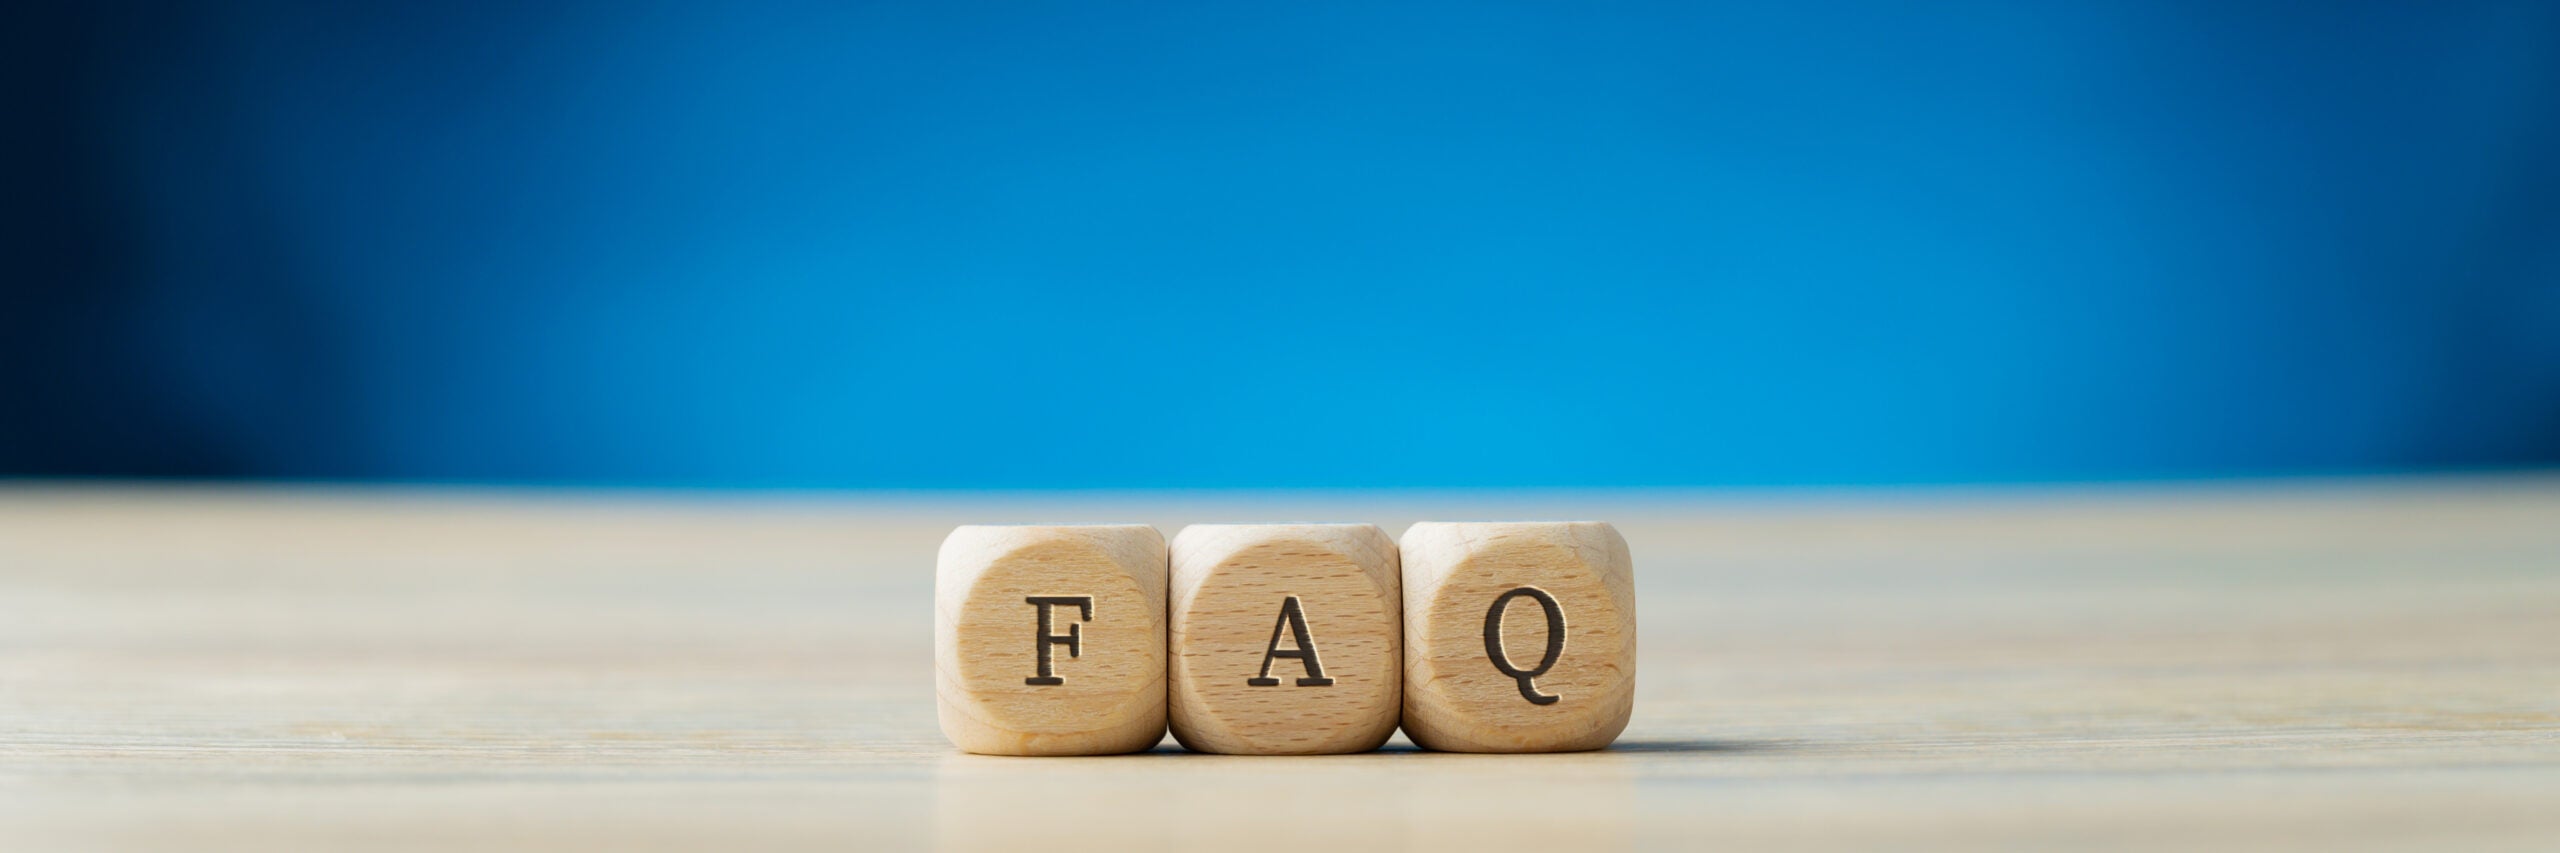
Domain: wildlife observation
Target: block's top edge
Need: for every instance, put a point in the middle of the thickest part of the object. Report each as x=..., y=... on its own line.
x=1014, y=524
x=971, y=548
x=1520, y=522
x=1231, y=525
x=987, y=541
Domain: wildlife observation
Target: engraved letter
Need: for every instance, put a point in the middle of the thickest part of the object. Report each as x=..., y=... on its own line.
x=1073, y=639
x=1295, y=621
x=1555, y=642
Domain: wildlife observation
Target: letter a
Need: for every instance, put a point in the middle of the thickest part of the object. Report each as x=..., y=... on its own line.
x=1293, y=620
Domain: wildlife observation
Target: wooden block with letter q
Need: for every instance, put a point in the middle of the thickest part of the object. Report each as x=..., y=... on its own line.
x=1519, y=636
x=1286, y=639
x=1049, y=639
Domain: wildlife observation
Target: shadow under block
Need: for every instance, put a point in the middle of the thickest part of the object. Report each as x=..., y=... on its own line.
x=1519, y=636
x=1049, y=640
x=1286, y=639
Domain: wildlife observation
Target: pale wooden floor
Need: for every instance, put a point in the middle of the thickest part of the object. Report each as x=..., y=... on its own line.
x=2328, y=665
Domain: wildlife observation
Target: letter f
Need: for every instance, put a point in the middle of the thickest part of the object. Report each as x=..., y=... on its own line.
x=1073, y=639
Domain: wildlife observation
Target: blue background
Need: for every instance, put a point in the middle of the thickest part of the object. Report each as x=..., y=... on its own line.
x=1096, y=245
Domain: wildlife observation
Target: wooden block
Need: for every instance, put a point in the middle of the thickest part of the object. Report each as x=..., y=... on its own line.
x=1286, y=638
x=1049, y=639
x=1519, y=636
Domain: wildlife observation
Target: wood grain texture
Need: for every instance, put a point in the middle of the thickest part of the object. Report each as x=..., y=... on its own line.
x=1242, y=591
x=2315, y=666
x=1049, y=639
x=1521, y=636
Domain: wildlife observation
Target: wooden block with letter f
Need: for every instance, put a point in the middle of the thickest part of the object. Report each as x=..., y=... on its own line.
x=1519, y=636
x=1049, y=639
x=1286, y=639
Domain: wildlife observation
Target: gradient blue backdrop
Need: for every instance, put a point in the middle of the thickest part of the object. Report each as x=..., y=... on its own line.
x=1077, y=244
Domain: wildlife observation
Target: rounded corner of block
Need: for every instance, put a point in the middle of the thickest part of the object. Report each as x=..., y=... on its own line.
x=1428, y=538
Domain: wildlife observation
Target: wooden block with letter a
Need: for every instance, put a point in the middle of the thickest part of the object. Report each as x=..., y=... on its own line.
x=1049, y=639
x=1519, y=636
x=1286, y=638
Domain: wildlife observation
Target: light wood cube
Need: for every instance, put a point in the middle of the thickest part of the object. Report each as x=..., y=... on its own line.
x=1049, y=639
x=1287, y=639
x=1519, y=636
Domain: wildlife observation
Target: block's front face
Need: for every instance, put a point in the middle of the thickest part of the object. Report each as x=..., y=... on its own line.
x=1520, y=637
x=1050, y=640
x=1286, y=638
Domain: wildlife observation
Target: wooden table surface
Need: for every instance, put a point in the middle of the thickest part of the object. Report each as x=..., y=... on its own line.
x=2316, y=665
